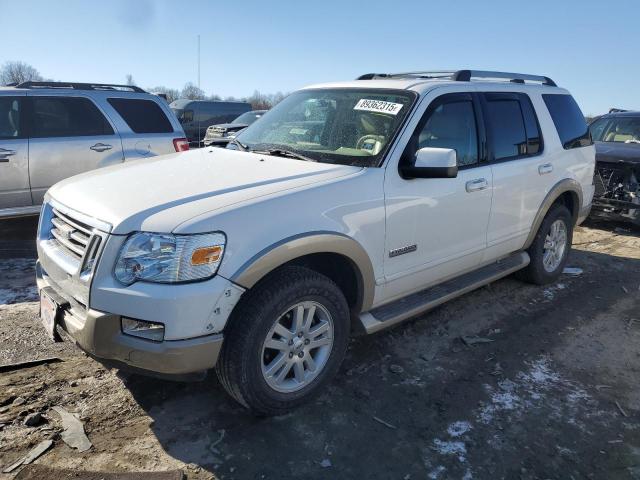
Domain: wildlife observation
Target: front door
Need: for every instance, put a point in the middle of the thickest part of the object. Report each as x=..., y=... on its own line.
x=14, y=154
x=437, y=227
x=69, y=135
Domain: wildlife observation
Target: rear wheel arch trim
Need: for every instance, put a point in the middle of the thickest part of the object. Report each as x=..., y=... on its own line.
x=563, y=186
x=297, y=246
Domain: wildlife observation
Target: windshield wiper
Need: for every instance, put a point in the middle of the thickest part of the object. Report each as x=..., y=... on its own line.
x=279, y=152
x=242, y=147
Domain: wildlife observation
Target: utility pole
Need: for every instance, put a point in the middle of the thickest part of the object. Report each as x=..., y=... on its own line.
x=198, y=60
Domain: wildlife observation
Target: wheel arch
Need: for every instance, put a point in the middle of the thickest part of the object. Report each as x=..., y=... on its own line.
x=567, y=191
x=333, y=254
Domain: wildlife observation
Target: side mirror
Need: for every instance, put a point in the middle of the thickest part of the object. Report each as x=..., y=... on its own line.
x=432, y=163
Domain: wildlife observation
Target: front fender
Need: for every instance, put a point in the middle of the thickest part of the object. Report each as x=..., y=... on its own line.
x=291, y=248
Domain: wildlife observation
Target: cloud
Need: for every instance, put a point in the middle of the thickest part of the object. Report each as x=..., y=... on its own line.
x=136, y=14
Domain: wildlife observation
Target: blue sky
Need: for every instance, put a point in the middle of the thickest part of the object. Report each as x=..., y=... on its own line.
x=587, y=46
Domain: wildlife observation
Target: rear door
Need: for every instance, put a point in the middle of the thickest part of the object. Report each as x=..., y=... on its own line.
x=69, y=135
x=521, y=171
x=145, y=128
x=14, y=152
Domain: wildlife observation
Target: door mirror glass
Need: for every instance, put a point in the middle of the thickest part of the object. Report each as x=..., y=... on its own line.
x=432, y=162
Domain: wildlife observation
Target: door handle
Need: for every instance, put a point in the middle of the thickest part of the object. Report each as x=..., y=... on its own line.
x=476, y=185
x=4, y=153
x=545, y=168
x=100, y=147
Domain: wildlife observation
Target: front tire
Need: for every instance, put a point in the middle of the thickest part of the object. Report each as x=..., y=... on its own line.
x=285, y=341
x=550, y=248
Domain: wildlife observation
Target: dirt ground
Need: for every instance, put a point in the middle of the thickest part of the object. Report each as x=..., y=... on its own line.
x=554, y=394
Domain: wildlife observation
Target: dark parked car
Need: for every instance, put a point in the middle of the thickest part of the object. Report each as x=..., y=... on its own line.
x=231, y=129
x=197, y=115
x=617, y=175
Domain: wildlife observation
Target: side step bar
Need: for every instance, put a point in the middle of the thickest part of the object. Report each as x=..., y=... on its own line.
x=395, y=312
x=12, y=212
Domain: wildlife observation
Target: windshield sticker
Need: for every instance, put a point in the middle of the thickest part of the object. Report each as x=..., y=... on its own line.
x=378, y=106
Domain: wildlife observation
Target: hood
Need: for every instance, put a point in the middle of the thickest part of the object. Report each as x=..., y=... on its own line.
x=160, y=193
x=615, y=152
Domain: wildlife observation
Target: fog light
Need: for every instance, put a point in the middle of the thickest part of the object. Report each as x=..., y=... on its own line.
x=140, y=328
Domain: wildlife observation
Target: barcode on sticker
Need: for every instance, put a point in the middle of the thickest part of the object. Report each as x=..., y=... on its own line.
x=378, y=106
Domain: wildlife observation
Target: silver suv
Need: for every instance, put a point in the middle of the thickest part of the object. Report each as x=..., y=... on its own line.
x=51, y=130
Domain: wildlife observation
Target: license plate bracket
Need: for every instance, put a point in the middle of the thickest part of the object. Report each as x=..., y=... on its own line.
x=49, y=314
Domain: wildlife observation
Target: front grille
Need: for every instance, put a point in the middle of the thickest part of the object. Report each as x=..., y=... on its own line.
x=69, y=246
x=71, y=235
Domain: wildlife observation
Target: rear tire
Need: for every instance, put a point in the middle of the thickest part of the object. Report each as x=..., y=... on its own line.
x=550, y=248
x=285, y=341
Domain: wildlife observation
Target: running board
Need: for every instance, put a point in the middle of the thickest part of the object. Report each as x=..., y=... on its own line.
x=395, y=312
x=20, y=211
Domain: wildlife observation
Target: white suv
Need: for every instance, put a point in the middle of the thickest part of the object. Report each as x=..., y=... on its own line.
x=348, y=207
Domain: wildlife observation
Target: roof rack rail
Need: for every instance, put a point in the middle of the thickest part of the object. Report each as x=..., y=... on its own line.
x=465, y=76
x=617, y=110
x=81, y=86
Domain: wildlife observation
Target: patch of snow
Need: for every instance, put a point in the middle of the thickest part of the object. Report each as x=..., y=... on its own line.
x=10, y=296
x=540, y=374
x=565, y=450
x=549, y=293
x=436, y=472
x=451, y=448
x=415, y=381
x=457, y=429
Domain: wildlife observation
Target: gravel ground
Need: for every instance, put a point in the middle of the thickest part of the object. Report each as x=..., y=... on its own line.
x=553, y=394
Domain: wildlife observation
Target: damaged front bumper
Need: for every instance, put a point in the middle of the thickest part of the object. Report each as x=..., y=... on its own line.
x=617, y=191
x=100, y=335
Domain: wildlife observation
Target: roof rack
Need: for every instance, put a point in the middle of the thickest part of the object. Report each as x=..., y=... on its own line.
x=617, y=110
x=464, y=76
x=81, y=86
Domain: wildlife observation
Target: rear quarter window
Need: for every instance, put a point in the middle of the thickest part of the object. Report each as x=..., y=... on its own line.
x=142, y=116
x=570, y=123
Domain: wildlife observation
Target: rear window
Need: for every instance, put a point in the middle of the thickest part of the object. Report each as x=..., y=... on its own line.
x=67, y=117
x=569, y=121
x=142, y=116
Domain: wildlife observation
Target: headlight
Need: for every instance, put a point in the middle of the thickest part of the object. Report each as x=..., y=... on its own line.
x=166, y=258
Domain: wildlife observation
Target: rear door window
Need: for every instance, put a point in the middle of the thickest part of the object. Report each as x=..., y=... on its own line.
x=67, y=117
x=142, y=116
x=10, y=118
x=570, y=123
x=506, y=123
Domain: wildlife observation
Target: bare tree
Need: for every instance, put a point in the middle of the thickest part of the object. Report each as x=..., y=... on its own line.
x=259, y=101
x=18, y=72
x=130, y=80
x=171, y=93
x=192, y=92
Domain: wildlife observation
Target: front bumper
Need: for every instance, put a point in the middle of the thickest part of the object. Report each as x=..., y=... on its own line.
x=100, y=335
x=616, y=210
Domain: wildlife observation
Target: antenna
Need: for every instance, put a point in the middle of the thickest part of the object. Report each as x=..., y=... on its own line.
x=198, y=61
